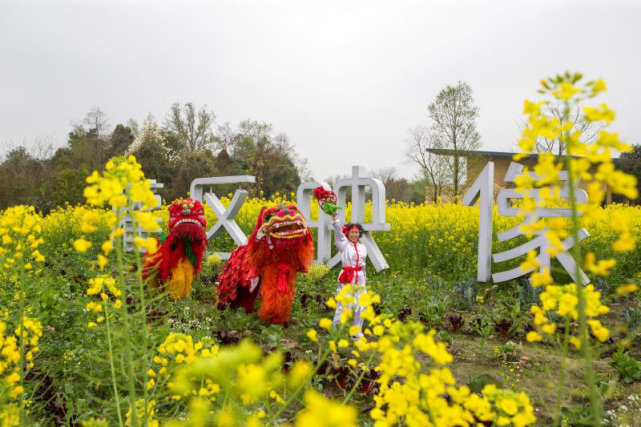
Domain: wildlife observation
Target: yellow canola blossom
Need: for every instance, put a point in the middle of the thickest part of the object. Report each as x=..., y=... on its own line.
x=321, y=412
x=28, y=335
x=410, y=395
x=443, y=236
x=122, y=179
x=613, y=230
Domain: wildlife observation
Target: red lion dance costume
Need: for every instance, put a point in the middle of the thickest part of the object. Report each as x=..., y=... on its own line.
x=280, y=246
x=178, y=260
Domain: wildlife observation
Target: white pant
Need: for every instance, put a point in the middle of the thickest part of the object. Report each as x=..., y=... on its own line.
x=357, y=310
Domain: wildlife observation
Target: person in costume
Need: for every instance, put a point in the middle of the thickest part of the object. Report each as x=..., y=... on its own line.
x=177, y=262
x=353, y=257
x=280, y=246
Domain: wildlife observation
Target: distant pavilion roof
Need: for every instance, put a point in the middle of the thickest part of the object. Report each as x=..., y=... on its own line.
x=470, y=153
x=497, y=154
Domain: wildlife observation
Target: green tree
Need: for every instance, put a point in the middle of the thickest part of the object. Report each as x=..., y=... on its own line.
x=151, y=151
x=274, y=169
x=89, y=146
x=254, y=148
x=89, y=141
x=453, y=116
x=188, y=167
x=20, y=174
x=227, y=165
x=631, y=163
x=64, y=185
x=121, y=138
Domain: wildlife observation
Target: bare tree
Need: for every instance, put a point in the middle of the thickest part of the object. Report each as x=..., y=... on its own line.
x=257, y=131
x=134, y=126
x=453, y=116
x=333, y=179
x=302, y=167
x=89, y=139
x=194, y=129
x=42, y=149
x=97, y=121
x=226, y=137
x=434, y=168
x=386, y=175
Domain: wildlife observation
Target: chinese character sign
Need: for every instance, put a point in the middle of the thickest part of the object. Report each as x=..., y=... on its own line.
x=126, y=223
x=226, y=221
x=482, y=188
x=356, y=185
x=322, y=224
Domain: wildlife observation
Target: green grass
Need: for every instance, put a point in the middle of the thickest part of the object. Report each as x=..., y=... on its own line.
x=71, y=381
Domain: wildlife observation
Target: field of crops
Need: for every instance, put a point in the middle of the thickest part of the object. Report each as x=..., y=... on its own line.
x=84, y=340
x=431, y=251
x=441, y=239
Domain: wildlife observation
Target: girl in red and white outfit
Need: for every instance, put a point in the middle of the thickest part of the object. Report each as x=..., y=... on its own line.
x=353, y=256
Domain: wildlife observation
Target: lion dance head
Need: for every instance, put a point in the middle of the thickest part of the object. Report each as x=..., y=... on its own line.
x=281, y=228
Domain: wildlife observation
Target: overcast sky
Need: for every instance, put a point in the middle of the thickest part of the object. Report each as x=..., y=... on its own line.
x=344, y=79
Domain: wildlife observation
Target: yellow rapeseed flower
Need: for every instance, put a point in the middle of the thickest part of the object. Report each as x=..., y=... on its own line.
x=312, y=335
x=81, y=245
x=627, y=289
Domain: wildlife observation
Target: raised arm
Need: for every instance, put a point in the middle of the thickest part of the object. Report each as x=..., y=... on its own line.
x=340, y=240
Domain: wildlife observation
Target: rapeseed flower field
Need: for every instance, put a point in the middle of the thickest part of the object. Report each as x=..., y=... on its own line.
x=85, y=341
x=431, y=249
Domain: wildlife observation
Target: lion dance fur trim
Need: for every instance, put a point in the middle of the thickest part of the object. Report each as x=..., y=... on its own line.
x=280, y=246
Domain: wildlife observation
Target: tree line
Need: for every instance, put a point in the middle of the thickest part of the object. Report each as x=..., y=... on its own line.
x=187, y=145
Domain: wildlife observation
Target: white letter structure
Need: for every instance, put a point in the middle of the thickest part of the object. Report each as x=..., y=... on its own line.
x=225, y=215
x=304, y=195
x=357, y=183
x=127, y=223
x=482, y=189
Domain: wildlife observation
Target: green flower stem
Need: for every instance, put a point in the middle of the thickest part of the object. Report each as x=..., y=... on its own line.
x=269, y=407
x=293, y=396
x=360, y=378
x=22, y=334
x=125, y=320
x=225, y=398
x=111, y=364
x=143, y=308
x=590, y=376
x=321, y=360
x=559, y=396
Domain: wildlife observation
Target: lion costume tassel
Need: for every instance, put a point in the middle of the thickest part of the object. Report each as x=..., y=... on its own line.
x=280, y=246
x=178, y=260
